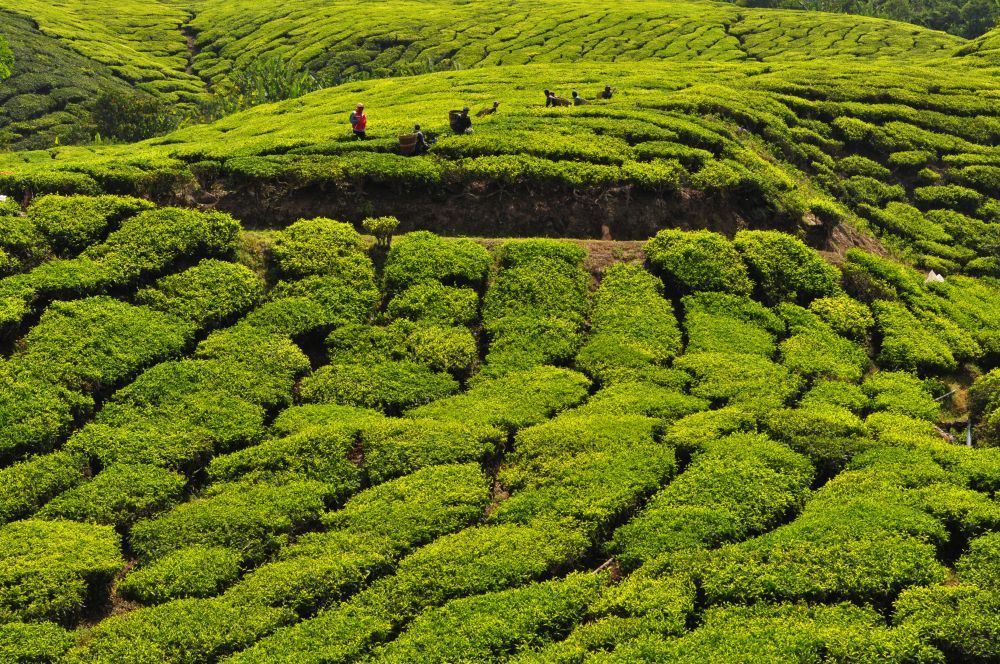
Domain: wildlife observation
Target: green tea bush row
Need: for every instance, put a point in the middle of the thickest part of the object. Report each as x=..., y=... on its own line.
x=496, y=625
x=49, y=568
x=194, y=571
x=592, y=469
x=698, y=261
x=365, y=538
x=738, y=486
x=422, y=257
x=750, y=381
x=535, y=308
x=634, y=332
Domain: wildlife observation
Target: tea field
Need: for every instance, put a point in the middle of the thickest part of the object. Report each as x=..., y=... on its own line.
x=708, y=371
x=299, y=446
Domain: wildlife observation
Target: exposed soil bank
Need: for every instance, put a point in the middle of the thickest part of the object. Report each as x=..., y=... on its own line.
x=493, y=210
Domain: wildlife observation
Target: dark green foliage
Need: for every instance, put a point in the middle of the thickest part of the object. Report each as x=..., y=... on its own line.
x=785, y=269
x=186, y=630
x=195, y=571
x=391, y=385
x=251, y=519
x=131, y=116
x=495, y=626
x=71, y=223
x=118, y=496
x=22, y=245
x=514, y=401
x=48, y=568
x=207, y=295
x=633, y=328
x=739, y=486
x=34, y=642
x=423, y=257
x=432, y=302
x=698, y=261
x=316, y=247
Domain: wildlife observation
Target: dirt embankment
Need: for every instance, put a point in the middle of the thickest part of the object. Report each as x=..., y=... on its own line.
x=493, y=210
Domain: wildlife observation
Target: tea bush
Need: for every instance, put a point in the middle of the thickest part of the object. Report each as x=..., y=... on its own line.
x=423, y=257
x=698, y=261
x=432, y=302
x=207, y=295
x=194, y=571
x=316, y=247
x=72, y=223
x=391, y=385
x=49, y=568
x=785, y=268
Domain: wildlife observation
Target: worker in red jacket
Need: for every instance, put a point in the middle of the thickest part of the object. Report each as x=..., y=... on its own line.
x=359, y=122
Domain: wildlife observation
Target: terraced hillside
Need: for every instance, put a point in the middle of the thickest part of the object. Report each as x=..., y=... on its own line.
x=910, y=155
x=300, y=446
x=185, y=53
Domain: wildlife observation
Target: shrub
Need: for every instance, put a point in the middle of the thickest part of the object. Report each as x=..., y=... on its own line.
x=962, y=621
x=451, y=349
x=858, y=165
x=836, y=393
x=395, y=447
x=828, y=435
x=951, y=196
x=390, y=386
x=980, y=566
x=846, y=316
x=422, y=257
x=35, y=414
x=208, y=295
x=651, y=400
x=118, y=496
x=632, y=327
x=432, y=302
x=71, y=223
x=818, y=352
x=497, y=625
x=710, y=333
x=48, y=568
x=95, y=343
x=34, y=642
x=186, y=630
x=151, y=241
x=316, y=247
x=382, y=228
x=785, y=632
x=319, y=453
x=22, y=245
x=29, y=484
x=750, y=381
x=195, y=571
x=909, y=344
x=517, y=400
x=740, y=485
x=785, y=268
x=698, y=261
x=251, y=519
x=345, y=298
x=901, y=393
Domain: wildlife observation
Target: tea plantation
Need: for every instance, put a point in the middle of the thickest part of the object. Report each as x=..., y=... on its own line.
x=298, y=446
x=706, y=371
